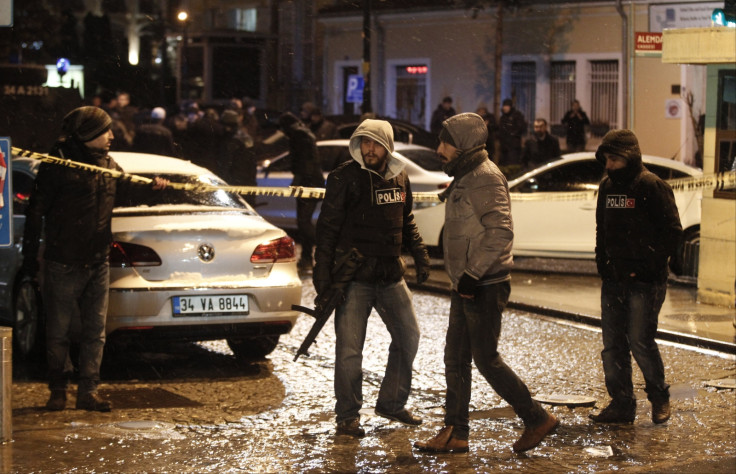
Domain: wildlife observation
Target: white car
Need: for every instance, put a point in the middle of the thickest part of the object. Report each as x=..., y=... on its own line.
x=421, y=164
x=185, y=265
x=545, y=226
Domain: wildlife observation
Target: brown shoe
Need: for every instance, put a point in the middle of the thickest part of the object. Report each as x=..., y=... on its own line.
x=660, y=411
x=531, y=437
x=443, y=442
x=57, y=400
x=93, y=402
x=350, y=428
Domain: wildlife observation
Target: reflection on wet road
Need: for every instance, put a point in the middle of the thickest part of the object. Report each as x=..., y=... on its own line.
x=201, y=411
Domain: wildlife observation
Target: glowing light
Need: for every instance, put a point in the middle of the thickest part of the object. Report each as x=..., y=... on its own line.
x=416, y=69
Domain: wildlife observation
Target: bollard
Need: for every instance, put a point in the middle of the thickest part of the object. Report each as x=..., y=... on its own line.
x=6, y=381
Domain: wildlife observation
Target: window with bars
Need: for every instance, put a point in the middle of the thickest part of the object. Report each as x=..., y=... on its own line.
x=562, y=89
x=524, y=88
x=603, y=96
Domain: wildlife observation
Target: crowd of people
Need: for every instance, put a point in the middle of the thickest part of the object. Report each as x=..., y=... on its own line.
x=505, y=142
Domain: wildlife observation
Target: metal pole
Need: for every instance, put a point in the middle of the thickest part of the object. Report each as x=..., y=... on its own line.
x=367, y=107
x=624, y=64
x=6, y=379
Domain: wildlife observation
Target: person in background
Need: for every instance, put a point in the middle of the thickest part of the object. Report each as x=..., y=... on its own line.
x=478, y=237
x=322, y=128
x=443, y=111
x=306, y=167
x=575, y=121
x=250, y=122
x=237, y=161
x=638, y=233
x=511, y=127
x=490, y=120
x=74, y=208
x=368, y=207
x=540, y=148
x=154, y=137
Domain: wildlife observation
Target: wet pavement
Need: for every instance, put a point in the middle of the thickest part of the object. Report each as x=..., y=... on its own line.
x=194, y=408
x=570, y=289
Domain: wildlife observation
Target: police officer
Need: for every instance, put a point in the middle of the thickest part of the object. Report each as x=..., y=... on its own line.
x=368, y=206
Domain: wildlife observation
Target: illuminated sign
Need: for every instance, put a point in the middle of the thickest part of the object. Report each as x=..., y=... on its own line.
x=416, y=69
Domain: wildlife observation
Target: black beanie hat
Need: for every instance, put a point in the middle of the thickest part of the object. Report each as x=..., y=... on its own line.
x=86, y=123
x=446, y=137
x=619, y=142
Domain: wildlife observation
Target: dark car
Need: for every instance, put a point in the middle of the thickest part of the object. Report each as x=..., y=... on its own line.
x=404, y=132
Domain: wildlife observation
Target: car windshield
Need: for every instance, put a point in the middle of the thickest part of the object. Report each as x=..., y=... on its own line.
x=145, y=196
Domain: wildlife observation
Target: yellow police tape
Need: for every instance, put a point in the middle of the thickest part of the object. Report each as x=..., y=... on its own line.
x=718, y=181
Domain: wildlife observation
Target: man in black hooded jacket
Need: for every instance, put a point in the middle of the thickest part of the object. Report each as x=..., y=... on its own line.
x=368, y=207
x=306, y=167
x=638, y=232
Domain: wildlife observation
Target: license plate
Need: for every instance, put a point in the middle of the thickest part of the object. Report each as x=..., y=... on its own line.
x=210, y=305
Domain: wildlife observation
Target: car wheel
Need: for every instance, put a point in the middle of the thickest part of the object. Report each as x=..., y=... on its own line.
x=691, y=252
x=27, y=324
x=253, y=347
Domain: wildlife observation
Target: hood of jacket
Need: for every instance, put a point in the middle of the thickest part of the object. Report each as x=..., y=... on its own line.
x=382, y=132
x=625, y=144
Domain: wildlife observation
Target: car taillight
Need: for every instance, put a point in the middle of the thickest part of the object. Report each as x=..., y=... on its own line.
x=125, y=254
x=444, y=185
x=278, y=250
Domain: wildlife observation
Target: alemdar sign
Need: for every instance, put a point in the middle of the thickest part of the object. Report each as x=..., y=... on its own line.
x=648, y=42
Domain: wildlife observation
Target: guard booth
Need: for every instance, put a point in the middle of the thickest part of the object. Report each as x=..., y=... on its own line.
x=716, y=49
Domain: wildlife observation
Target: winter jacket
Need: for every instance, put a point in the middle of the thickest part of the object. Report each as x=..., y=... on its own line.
x=637, y=225
x=74, y=207
x=306, y=165
x=358, y=201
x=538, y=151
x=478, y=233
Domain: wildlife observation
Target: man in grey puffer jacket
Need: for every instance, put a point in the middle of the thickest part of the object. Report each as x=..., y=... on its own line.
x=477, y=240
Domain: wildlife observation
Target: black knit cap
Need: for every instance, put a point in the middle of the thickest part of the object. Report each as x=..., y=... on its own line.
x=619, y=142
x=86, y=123
x=446, y=137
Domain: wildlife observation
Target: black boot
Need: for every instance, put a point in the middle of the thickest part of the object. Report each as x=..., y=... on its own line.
x=616, y=412
x=57, y=400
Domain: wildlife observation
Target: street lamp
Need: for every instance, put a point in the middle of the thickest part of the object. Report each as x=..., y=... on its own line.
x=183, y=17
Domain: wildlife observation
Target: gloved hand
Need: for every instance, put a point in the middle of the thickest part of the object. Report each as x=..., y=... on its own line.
x=422, y=273
x=320, y=285
x=466, y=285
x=29, y=267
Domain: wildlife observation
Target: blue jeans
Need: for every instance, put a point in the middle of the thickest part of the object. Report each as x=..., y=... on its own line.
x=629, y=312
x=75, y=295
x=472, y=335
x=393, y=302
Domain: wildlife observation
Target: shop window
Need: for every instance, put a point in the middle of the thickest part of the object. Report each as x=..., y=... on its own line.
x=725, y=159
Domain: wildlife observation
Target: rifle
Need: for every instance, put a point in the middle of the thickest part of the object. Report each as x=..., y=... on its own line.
x=325, y=304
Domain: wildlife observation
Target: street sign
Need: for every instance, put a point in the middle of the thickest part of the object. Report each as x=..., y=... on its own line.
x=6, y=199
x=354, y=94
x=648, y=44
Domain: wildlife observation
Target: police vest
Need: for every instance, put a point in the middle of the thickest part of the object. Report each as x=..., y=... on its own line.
x=376, y=221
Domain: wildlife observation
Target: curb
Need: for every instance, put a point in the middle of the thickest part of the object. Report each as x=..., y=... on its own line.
x=671, y=336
